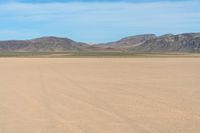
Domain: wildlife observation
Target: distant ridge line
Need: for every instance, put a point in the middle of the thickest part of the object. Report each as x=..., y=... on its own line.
x=144, y=43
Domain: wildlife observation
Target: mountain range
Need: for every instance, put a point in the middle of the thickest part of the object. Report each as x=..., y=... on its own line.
x=146, y=43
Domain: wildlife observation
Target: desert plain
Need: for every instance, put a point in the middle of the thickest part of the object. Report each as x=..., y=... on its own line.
x=100, y=95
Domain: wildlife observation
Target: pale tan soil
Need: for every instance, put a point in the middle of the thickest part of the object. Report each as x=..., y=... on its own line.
x=96, y=95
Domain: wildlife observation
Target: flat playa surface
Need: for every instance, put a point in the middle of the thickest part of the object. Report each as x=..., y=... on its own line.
x=100, y=95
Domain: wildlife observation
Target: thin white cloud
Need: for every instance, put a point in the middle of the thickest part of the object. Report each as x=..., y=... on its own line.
x=99, y=19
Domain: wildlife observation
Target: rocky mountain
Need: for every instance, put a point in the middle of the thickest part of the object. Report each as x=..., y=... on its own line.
x=43, y=44
x=169, y=43
x=147, y=43
x=129, y=42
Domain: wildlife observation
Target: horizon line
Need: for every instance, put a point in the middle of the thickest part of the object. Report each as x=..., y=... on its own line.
x=64, y=37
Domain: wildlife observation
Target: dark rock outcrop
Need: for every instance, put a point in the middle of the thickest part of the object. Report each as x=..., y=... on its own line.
x=169, y=43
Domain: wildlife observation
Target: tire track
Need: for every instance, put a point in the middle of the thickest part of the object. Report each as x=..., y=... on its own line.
x=50, y=113
x=105, y=108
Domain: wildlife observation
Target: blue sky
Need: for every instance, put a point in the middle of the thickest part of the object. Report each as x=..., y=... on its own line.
x=96, y=21
x=47, y=1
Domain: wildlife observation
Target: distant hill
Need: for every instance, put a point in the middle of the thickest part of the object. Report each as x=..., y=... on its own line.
x=183, y=43
x=147, y=43
x=43, y=44
x=129, y=42
x=169, y=43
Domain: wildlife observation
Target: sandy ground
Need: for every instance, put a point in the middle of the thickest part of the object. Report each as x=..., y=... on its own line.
x=96, y=95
